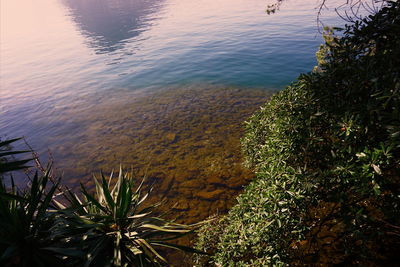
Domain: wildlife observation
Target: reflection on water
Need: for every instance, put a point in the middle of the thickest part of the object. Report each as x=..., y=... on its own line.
x=108, y=24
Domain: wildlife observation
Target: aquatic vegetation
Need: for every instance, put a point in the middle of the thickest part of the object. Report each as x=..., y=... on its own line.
x=326, y=154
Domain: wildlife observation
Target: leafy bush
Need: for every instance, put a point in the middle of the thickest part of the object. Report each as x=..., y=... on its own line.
x=327, y=156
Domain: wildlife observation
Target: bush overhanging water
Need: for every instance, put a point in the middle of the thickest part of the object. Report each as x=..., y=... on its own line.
x=326, y=151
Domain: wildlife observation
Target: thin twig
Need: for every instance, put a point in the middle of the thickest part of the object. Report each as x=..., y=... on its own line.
x=40, y=167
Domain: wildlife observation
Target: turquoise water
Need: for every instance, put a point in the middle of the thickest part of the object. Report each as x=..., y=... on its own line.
x=59, y=56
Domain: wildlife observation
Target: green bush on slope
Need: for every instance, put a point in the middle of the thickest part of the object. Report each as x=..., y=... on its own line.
x=326, y=153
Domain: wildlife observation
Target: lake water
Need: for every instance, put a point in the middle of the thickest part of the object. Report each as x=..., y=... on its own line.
x=162, y=86
x=58, y=53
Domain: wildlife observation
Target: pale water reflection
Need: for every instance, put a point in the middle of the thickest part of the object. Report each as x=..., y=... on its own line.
x=109, y=24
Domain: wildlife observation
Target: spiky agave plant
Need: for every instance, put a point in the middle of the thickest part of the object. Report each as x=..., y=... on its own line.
x=115, y=230
x=28, y=215
x=26, y=219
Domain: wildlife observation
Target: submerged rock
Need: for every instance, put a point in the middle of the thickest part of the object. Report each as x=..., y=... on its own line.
x=171, y=137
x=213, y=195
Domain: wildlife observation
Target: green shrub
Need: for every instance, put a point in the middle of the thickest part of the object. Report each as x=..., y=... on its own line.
x=208, y=240
x=327, y=156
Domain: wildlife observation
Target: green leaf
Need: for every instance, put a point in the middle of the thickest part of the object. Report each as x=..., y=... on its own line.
x=149, y=249
x=7, y=142
x=107, y=193
x=8, y=153
x=92, y=200
x=14, y=165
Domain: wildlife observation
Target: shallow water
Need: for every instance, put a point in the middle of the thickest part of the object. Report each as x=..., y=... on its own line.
x=186, y=141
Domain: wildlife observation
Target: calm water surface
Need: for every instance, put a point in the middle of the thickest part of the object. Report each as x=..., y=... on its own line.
x=58, y=53
x=159, y=83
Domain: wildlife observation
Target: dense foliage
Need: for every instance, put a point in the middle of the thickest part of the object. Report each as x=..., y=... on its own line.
x=326, y=151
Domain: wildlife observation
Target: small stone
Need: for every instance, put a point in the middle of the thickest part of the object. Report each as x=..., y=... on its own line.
x=171, y=137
